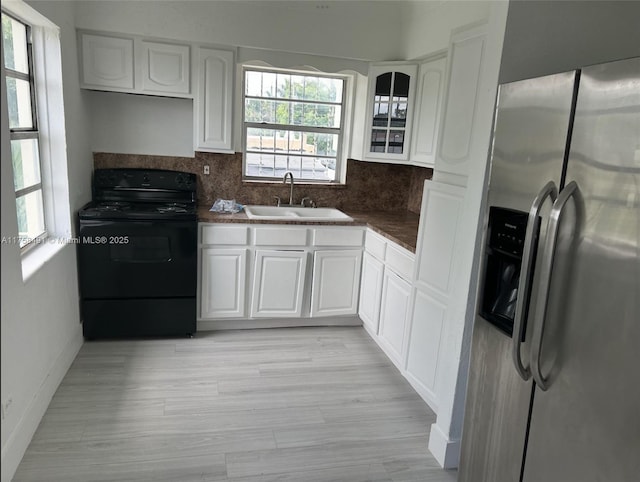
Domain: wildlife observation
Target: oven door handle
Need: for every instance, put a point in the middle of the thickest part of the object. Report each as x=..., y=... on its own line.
x=141, y=261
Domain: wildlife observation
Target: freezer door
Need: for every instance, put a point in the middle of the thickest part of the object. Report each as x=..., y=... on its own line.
x=586, y=426
x=530, y=136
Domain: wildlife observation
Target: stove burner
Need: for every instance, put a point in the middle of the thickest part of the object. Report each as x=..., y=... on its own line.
x=172, y=209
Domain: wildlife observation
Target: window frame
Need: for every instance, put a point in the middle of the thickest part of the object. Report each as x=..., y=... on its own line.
x=25, y=133
x=342, y=131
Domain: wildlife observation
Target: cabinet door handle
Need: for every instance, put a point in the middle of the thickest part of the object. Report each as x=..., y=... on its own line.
x=570, y=190
x=524, y=290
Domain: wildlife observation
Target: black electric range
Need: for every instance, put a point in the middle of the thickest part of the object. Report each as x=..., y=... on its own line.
x=137, y=254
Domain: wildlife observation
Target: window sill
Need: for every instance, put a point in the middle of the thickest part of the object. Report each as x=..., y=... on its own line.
x=270, y=183
x=38, y=256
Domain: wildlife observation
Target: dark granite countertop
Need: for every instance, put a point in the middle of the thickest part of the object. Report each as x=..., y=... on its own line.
x=400, y=227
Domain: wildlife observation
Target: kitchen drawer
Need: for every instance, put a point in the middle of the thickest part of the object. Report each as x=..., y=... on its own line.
x=280, y=236
x=400, y=260
x=375, y=245
x=227, y=235
x=337, y=237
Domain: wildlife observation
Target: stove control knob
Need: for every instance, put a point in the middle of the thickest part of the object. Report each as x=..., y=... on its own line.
x=145, y=178
x=179, y=180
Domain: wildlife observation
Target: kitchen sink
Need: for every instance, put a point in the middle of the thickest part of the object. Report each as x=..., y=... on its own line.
x=292, y=213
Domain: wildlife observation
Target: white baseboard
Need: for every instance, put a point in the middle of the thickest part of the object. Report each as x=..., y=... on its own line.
x=445, y=451
x=19, y=440
x=210, y=325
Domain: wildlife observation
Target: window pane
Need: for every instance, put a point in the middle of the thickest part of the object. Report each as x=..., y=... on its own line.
x=303, y=168
x=19, y=103
x=30, y=216
x=253, y=83
x=14, y=36
x=260, y=139
x=26, y=163
x=329, y=90
x=292, y=142
x=297, y=87
x=268, y=84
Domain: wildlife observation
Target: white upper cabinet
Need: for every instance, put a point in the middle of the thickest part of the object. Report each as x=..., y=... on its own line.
x=131, y=64
x=391, y=97
x=165, y=68
x=213, y=107
x=458, y=133
x=426, y=120
x=107, y=62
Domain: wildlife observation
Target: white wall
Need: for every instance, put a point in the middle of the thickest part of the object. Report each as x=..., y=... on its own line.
x=545, y=37
x=345, y=29
x=137, y=124
x=427, y=25
x=330, y=38
x=41, y=332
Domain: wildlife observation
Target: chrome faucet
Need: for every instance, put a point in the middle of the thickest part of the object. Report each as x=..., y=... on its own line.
x=284, y=180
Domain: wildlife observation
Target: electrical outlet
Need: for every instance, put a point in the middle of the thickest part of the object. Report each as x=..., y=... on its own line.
x=206, y=170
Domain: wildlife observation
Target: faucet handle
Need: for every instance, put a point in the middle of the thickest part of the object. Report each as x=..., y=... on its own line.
x=311, y=202
x=277, y=198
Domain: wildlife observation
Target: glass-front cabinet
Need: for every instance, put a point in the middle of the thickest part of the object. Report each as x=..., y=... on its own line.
x=390, y=111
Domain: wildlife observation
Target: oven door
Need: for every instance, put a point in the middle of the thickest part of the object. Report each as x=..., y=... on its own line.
x=137, y=259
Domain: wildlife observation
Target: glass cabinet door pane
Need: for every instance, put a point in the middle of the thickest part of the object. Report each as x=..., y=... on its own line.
x=401, y=85
x=396, y=142
x=383, y=84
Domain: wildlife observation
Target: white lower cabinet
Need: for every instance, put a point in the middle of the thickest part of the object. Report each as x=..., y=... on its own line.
x=394, y=311
x=262, y=271
x=371, y=292
x=335, y=282
x=427, y=321
x=223, y=283
x=278, y=284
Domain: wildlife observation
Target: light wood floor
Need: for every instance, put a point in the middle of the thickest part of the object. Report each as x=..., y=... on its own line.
x=288, y=405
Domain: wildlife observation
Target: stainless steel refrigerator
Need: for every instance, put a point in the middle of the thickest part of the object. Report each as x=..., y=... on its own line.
x=554, y=378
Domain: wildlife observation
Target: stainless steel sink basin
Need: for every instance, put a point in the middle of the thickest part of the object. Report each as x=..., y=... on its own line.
x=291, y=213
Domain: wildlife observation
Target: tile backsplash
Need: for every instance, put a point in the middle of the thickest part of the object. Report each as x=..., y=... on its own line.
x=370, y=185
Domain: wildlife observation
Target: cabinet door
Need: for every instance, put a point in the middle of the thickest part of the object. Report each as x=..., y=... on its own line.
x=165, y=68
x=425, y=330
x=394, y=309
x=214, y=100
x=457, y=134
x=442, y=206
x=391, y=95
x=278, y=284
x=426, y=121
x=107, y=62
x=224, y=275
x=371, y=292
x=336, y=282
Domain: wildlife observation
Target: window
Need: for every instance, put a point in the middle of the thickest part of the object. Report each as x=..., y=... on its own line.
x=293, y=121
x=23, y=126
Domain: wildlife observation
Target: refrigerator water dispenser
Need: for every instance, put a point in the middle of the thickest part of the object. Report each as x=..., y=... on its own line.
x=505, y=244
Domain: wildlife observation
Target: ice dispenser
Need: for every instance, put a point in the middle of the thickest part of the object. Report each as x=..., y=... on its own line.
x=505, y=244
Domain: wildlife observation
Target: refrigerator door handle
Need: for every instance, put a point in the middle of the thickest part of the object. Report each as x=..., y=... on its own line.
x=570, y=190
x=528, y=255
